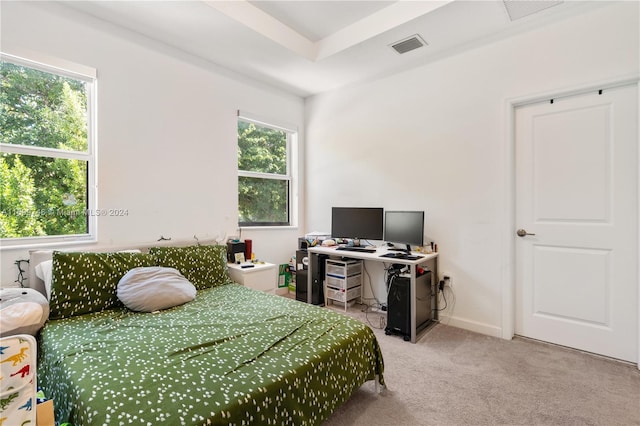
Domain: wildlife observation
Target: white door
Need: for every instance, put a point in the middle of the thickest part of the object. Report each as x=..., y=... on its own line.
x=576, y=183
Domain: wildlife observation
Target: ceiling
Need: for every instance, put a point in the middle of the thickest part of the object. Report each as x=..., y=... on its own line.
x=308, y=47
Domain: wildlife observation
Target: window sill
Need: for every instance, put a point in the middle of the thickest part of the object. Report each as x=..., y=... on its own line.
x=45, y=243
x=267, y=227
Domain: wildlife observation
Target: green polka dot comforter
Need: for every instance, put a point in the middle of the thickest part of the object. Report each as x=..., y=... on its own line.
x=233, y=356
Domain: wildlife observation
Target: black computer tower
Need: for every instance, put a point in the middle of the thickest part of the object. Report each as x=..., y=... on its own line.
x=399, y=305
x=302, y=270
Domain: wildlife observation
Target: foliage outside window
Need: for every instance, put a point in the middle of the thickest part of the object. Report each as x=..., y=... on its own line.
x=46, y=159
x=264, y=174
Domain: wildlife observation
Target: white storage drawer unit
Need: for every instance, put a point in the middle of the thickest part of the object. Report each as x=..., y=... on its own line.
x=343, y=280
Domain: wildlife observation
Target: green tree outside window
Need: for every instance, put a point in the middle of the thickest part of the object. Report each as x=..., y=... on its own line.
x=43, y=189
x=263, y=175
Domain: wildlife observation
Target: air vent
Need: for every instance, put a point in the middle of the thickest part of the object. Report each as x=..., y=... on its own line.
x=520, y=8
x=408, y=44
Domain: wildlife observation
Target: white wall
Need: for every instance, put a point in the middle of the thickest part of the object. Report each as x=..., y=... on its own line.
x=435, y=139
x=166, y=130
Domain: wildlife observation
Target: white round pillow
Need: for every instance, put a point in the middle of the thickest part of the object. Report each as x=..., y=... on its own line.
x=153, y=288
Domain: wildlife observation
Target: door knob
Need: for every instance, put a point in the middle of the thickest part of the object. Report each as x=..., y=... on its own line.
x=522, y=233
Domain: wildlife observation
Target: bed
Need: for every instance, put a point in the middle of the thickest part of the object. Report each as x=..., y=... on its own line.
x=232, y=355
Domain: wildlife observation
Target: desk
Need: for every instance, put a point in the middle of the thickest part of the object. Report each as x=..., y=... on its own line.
x=431, y=261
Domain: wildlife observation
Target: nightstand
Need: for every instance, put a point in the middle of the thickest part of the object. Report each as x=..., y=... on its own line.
x=261, y=276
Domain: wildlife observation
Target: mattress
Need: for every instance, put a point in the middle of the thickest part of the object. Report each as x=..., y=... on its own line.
x=232, y=356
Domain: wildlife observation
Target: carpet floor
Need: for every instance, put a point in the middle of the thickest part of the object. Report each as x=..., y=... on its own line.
x=456, y=377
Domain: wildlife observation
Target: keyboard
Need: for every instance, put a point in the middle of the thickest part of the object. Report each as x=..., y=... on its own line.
x=403, y=256
x=360, y=249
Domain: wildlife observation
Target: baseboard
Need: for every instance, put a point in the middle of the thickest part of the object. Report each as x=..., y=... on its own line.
x=478, y=327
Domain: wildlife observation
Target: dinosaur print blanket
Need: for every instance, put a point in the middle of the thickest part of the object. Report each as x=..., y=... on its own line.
x=232, y=356
x=18, y=380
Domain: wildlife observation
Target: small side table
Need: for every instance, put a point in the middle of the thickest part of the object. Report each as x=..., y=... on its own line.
x=261, y=276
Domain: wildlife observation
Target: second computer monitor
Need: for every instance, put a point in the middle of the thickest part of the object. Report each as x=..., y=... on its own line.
x=404, y=227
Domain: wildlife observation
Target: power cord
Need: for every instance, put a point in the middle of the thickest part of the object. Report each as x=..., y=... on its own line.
x=444, y=297
x=370, y=287
x=382, y=319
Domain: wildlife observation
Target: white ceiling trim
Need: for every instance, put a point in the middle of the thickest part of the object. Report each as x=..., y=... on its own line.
x=265, y=24
x=378, y=22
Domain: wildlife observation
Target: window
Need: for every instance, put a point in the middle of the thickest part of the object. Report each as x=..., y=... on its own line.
x=47, y=163
x=264, y=173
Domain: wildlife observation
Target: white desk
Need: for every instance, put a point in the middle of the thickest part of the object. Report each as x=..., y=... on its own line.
x=430, y=259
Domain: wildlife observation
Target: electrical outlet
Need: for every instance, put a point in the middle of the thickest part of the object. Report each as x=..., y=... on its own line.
x=448, y=281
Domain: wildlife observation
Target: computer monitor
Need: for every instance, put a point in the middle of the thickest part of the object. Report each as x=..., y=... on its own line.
x=365, y=223
x=404, y=227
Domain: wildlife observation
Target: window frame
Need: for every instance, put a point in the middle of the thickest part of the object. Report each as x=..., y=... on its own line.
x=89, y=77
x=290, y=176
